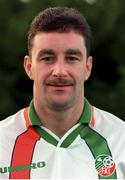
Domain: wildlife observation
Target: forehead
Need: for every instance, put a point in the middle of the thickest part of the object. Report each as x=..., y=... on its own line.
x=58, y=41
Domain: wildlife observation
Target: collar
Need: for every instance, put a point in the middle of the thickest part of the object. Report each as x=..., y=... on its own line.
x=32, y=118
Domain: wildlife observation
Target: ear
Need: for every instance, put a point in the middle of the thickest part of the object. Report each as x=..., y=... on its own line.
x=28, y=66
x=89, y=64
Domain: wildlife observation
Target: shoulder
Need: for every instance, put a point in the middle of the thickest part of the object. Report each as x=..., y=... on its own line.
x=110, y=127
x=107, y=121
x=15, y=122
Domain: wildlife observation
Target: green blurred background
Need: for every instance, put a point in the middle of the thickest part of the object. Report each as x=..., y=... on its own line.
x=106, y=87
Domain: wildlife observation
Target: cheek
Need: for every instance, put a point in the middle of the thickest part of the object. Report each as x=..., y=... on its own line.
x=36, y=77
x=82, y=74
x=79, y=78
x=36, y=71
x=40, y=76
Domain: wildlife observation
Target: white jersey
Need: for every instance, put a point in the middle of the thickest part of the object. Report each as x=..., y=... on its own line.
x=92, y=149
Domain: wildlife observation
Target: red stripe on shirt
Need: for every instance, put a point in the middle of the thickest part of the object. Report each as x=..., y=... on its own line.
x=23, y=153
x=26, y=117
x=92, y=121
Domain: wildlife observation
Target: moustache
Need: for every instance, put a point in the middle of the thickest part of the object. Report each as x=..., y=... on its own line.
x=59, y=82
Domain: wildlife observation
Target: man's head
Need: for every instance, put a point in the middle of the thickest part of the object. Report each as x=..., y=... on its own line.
x=58, y=61
x=59, y=19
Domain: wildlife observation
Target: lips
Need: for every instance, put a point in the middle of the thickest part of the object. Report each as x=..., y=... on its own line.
x=59, y=85
x=60, y=88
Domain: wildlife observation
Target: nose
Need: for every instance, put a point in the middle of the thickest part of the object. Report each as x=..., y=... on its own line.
x=59, y=68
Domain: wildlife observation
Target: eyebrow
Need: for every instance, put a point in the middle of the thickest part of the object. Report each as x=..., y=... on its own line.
x=74, y=52
x=45, y=52
x=52, y=52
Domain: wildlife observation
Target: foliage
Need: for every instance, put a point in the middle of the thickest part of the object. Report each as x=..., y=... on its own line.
x=105, y=89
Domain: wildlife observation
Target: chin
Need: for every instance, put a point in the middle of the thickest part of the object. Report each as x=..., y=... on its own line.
x=60, y=105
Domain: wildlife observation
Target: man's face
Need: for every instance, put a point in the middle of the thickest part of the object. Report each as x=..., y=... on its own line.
x=58, y=66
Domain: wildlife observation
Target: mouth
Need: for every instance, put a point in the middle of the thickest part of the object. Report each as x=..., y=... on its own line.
x=59, y=85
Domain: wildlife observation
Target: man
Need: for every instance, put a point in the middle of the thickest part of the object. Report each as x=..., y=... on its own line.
x=60, y=135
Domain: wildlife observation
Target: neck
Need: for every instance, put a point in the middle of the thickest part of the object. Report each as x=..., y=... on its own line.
x=59, y=122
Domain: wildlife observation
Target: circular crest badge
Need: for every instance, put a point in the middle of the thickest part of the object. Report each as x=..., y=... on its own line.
x=104, y=165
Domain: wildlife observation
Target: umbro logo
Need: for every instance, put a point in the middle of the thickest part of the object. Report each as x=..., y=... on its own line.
x=37, y=165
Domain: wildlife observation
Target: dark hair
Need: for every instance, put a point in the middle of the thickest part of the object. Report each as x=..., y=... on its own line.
x=59, y=19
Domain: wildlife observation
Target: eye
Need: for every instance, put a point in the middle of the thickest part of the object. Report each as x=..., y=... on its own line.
x=47, y=59
x=72, y=59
